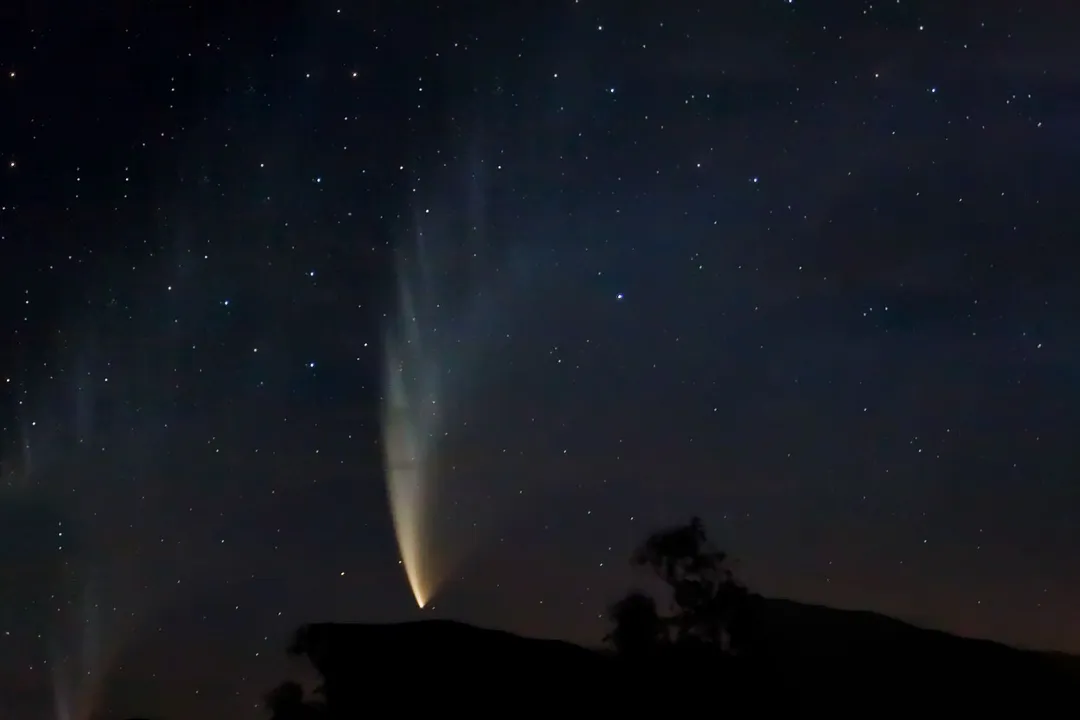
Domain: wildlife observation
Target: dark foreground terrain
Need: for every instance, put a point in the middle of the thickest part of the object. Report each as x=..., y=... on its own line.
x=807, y=658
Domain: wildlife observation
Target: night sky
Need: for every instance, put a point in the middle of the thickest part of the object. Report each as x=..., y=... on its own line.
x=806, y=269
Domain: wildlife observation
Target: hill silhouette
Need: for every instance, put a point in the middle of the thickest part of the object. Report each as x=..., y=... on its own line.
x=901, y=660
x=720, y=647
x=814, y=657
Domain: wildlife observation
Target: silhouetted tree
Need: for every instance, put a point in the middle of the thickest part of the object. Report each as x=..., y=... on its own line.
x=708, y=603
x=639, y=629
x=287, y=702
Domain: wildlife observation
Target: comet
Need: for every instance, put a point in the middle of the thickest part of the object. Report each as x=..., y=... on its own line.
x=454, y=299
x=411, y=423
x=407, y=474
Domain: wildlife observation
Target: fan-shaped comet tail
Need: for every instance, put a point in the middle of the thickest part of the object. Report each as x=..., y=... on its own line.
x=410, y=422
x=432, y=357
x=405, y=476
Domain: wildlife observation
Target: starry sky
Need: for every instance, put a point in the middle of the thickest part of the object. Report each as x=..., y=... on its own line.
x=800, y=268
